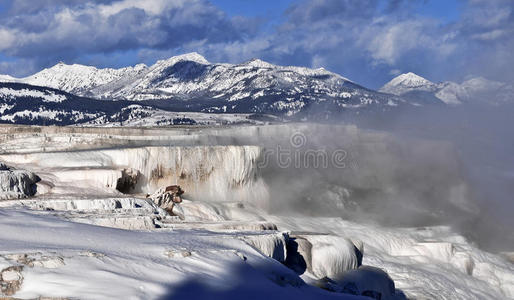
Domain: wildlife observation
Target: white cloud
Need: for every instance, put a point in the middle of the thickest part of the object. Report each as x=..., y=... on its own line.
x=490, y=35
x=7, y=38
x=395, y=72
x=73, y=29
x=153, y=7
x=356, y=38
x=318, y=62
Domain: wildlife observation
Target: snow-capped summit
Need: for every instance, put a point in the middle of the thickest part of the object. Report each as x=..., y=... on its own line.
x=407, y=82
x=193, y=56
x=252, y=86
x=476, y=89
x=255, y=62
x=76, y=78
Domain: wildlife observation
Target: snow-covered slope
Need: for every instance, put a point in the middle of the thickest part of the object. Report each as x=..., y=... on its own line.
x=34, y=105
x=253, y=86
x=44, y=256
x=190, y=83
x=190, y=74
x=7, y=78
x=25, y=104
x=136, y=115
x=475, y=90
x=78, y=79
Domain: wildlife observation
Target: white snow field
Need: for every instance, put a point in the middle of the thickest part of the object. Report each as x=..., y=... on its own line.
x=90, y=232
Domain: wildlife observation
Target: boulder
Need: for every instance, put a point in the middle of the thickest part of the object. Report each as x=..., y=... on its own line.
x=167, y=197
x=11, y=279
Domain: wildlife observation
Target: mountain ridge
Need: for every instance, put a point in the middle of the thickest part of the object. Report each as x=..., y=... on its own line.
x=474, y=90
x=191, y=76
x=192, y=83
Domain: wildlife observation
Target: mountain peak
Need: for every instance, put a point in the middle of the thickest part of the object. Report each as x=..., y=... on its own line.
x=255, y=62
x=62, y=66
x=406, y=82
x=192, y=56
x=410, y=79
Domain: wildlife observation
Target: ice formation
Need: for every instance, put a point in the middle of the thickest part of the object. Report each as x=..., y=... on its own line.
x=215, y=173
x=94, y=183
x=368, y=281
x=271, y=245
x=327, y=256
x=16, y=183
x=416, y=271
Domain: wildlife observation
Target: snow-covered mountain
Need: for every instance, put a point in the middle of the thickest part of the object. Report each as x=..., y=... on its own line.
x=34, y=105
x=475, y=90
x=77, y=79
x=26, y=104
x=408, y=82
x=189, y=82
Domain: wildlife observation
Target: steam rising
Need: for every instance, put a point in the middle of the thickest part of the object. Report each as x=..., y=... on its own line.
x=431, y=166
x=436, y=166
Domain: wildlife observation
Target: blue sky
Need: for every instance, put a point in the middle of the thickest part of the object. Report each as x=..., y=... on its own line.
x=368, y=41
x=253, y=8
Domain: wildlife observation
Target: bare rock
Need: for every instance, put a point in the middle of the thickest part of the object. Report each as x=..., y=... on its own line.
x=128, y=181
x=11, y=280
x=90, y=253
x=174, y=253
x=37, y=259
x=49, y=262
x=167, y=197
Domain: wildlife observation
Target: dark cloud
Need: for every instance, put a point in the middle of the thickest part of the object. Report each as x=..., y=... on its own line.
x=369, y=40
x=365, y=40
x=308, y=12
x=358, y=39
x=27, y=7
x=67, y=30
